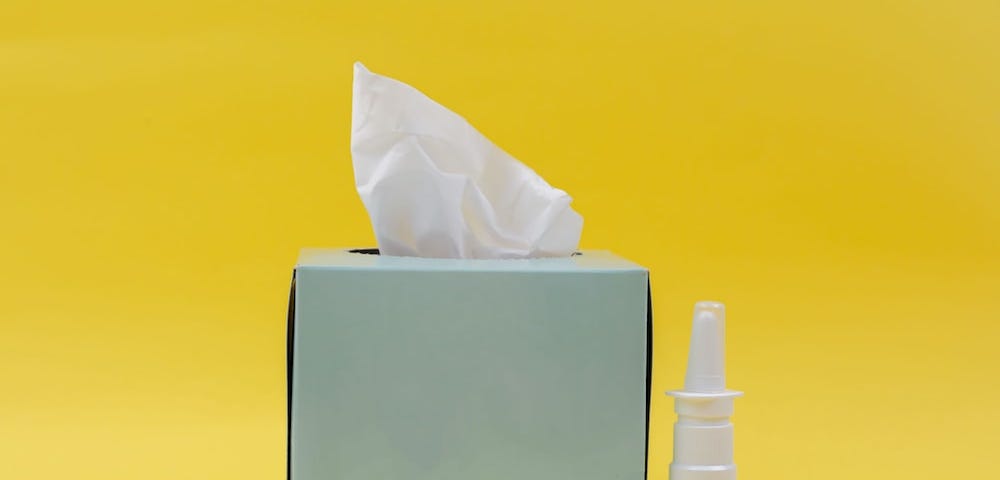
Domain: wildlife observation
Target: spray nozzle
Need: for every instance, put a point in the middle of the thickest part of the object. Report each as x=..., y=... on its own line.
x=706, y=369
x=703, y=435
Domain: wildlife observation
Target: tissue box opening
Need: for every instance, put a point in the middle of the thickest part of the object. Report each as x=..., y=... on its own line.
x=383, y=382
x=375, y=251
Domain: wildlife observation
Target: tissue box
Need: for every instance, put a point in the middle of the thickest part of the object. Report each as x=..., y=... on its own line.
x=436, y=369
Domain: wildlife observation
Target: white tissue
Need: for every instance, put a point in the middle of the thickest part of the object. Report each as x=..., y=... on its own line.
x=436, y=187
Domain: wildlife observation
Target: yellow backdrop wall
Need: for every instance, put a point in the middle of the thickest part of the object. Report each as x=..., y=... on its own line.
x=831, y=171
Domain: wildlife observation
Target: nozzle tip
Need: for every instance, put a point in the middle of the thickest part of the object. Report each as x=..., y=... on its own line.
x=710, y=306
x=706, y=358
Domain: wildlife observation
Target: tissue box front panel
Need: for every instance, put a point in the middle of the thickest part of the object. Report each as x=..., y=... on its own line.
x=464, y=373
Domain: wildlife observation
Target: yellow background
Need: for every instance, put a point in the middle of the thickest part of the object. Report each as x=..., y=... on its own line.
x=831, y=171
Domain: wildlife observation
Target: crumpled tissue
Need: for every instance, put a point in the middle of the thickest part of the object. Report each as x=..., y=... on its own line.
x=436, y=187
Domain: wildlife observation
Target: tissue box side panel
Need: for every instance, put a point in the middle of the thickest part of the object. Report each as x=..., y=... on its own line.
x=453, y=375
x=289, y=359
x=649, y=368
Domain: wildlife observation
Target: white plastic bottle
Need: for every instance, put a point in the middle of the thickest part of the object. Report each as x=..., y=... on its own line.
x=703, y=434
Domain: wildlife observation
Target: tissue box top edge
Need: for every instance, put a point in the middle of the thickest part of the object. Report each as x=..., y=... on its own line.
x=346, y=259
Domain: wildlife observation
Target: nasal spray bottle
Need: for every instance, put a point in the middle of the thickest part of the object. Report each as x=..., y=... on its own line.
x=703, y=435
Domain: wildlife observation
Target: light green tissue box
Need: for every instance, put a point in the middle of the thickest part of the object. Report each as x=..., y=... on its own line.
x=432, y=369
